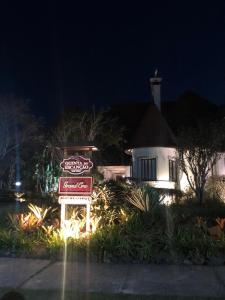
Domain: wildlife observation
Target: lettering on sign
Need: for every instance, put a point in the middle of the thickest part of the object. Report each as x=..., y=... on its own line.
x=75, y=185
x=78, y=200
x=76, y=165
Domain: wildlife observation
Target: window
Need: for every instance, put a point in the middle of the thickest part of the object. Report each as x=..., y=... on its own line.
x=148, y=169
x=172, y=170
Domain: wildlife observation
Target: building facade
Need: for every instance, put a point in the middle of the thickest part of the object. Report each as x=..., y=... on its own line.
x=153, y=150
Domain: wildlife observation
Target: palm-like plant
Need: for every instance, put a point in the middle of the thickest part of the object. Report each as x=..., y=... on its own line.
x=29, y=221
x=25, y=222
x=144, y=198
x=40, y=213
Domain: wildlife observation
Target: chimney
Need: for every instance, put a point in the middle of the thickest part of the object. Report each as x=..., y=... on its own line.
x=155, y=83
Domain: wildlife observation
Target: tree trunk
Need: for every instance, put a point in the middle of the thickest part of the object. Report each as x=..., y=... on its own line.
x=200, y=195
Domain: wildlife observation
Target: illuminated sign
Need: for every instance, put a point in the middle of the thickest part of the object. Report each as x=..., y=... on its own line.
x=75, y=185
x=76, y=165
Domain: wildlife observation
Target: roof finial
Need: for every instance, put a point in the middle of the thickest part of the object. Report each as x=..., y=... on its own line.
x=156, y=87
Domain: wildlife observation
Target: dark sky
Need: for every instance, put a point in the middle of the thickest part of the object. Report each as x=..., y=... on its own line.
x=58, y=53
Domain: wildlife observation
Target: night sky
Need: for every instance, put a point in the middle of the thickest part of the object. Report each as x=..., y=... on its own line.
x=62, y=53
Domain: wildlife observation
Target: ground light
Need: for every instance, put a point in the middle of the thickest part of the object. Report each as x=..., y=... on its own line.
x=19, y=197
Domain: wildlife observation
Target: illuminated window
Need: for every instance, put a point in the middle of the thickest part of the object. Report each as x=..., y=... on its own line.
x=172, y=170
x=148, y=169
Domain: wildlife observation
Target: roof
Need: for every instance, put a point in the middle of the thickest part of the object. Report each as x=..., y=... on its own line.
x=153, y=131
x=80, y=148
x=71, y=149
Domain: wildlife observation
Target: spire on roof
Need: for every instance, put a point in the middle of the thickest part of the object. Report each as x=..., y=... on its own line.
x=156, y=73
x=155, y=83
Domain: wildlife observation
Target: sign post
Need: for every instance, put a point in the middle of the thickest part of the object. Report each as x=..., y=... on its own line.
x=76, y=190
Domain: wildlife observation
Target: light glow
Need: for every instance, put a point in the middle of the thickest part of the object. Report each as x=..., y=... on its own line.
x=19, y=197
x=73, y=226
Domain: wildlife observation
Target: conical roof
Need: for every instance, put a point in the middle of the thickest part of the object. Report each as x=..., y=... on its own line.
x=153, y=131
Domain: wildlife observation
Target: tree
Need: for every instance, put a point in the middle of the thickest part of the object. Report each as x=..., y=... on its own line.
x=76, y=127
x=198, y=151
x=88, y=126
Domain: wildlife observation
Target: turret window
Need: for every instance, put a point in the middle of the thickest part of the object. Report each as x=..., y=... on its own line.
x=172, y=170
x=148, y=169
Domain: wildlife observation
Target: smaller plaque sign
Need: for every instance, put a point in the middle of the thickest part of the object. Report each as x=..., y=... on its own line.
x=75, y=185
x=76, y=165
x=78, y=200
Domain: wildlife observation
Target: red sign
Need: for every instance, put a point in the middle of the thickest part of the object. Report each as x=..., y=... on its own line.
x=75, y=185
x=76, y=165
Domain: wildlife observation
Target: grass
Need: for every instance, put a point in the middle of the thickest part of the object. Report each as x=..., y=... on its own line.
x=69, y=295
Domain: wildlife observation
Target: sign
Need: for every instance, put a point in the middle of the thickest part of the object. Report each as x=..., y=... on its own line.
x=76, y=200
x=76, y=165
x=75, y=185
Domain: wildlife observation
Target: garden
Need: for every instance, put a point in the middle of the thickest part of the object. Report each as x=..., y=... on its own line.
x=129, y=223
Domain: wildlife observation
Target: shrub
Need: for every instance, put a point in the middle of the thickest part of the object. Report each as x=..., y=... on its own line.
x=144, y=232
x=30, y=221
x=108, y=205
x=129, y=241
x=17, y=242
x=194, y=243
x=215, y=188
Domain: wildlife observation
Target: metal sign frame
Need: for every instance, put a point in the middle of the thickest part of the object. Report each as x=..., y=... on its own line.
x=75, y=200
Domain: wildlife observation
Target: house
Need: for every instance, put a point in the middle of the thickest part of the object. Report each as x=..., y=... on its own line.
x=115, y=172
x=153, y=150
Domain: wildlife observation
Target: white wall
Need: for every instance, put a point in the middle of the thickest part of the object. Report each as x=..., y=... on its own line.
x=111, y=172
x=162, y=155
x=220, y=166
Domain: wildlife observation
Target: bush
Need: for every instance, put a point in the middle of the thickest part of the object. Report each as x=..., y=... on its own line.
x=215, y=188
x=191, y=209
x=17, y=242
x=109, y=206
x=30, y=221
x=128, y=242
x=156, y=233
x=193, y=243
